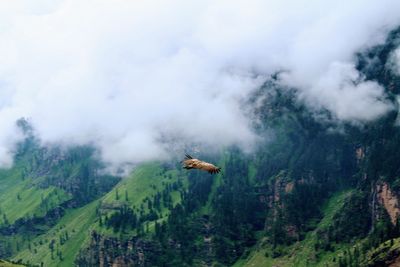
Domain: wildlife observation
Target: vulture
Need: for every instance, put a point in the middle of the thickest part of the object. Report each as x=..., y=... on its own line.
x=191, y=163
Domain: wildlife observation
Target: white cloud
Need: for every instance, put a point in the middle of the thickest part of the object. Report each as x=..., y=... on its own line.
x=122, y=74
x=394, y=61
x=343, y=91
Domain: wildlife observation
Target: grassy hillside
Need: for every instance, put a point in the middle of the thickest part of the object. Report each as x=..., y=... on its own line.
x=4, y=263
x=136, y=191
x=145, y=181
x=20, y=198
x=60, y=245
x=76, y=225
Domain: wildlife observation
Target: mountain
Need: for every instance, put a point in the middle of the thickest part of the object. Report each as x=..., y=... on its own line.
x=315, y=192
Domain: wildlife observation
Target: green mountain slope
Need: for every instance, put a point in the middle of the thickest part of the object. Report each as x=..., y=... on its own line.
x=60, y=245
x=21, y=198
x=4, y=263
x=305, y=252
x=385, y=254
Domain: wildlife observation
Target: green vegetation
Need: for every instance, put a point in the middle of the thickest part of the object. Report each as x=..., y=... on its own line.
x=308, y=252
x=146, y=180
x=20, y=198
x=24, y=200
x=49, y=248
x=384, y=254
x=4, y=263
x=60, y=245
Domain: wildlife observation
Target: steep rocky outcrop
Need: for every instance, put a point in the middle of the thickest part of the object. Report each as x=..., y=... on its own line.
x=113, y=252
x=389, y=201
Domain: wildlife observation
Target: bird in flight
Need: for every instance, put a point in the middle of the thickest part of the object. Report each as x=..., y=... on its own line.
x=191, y=163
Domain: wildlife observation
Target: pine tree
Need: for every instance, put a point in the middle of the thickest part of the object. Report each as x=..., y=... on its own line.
x=116, y=194
x=100, y=221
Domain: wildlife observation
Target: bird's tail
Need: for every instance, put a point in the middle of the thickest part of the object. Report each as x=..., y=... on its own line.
x=215, y=171
x=187, y=156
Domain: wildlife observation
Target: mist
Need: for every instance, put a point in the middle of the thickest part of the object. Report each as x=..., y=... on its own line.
x=130, y=76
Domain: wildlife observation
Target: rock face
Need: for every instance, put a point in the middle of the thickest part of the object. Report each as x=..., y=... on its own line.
x=112, y=252
x=281, y=186
x=141, y=251
x=360, y=154
x=388, y=200
x=396, y=263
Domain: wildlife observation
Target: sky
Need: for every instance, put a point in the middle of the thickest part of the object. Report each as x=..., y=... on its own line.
x=133, y=77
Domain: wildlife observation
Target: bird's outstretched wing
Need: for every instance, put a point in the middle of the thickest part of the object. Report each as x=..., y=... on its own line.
x=210, y=168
